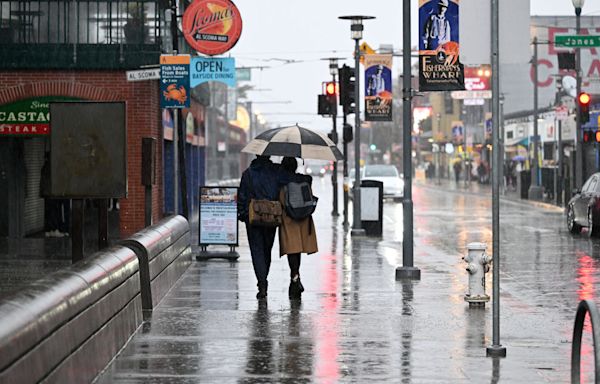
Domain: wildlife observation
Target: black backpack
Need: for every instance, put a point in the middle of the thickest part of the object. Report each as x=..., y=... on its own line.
x=299, y=201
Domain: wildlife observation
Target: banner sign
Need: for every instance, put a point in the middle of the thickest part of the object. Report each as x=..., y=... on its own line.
x=174, y=81
x=218, y=216
x=205, y=69
x=378, y=87
x=439, y=65
x=488, y=125
x=458, y=132
x=29, y=116
x=212, y=27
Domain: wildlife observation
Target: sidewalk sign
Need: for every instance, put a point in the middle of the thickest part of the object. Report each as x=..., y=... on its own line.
x=217, y=222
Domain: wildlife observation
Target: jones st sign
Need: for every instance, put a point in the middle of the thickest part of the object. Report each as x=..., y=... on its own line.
x=577, y=41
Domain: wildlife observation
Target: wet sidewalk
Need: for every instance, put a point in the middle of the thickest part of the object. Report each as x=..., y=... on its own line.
x=355, y=323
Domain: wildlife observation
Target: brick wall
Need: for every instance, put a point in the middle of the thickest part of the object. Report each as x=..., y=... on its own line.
x=143, y=120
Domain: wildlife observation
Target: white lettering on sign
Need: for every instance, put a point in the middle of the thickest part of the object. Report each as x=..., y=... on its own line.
x=144, y=74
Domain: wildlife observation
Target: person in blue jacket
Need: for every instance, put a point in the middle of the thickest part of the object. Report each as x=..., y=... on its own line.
x=260, y=181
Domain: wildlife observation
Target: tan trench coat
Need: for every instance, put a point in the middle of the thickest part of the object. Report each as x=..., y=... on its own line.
x=296, y=236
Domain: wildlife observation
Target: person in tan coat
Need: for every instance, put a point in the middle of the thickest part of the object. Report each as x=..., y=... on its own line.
x=295, y=236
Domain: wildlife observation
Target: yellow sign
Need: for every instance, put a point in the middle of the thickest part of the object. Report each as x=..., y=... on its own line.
x=365, y=49
x=174, y=59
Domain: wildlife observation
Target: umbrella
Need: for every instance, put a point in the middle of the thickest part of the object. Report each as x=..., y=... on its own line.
x=518, y=158
x=294, y=141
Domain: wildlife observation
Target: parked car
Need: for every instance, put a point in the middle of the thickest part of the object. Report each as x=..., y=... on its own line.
x=393, y=181
x=583, y=210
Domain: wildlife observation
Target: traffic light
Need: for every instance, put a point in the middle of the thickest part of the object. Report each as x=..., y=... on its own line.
x=597, y=136
x=587, y=136
x=348, y=135
x=347, y=89
x=584, y=100
x=324, y=107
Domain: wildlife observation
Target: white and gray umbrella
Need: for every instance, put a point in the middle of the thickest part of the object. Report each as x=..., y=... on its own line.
x=294, y=141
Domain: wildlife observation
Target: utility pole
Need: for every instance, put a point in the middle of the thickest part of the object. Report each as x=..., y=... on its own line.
x=535, y=190
x=579, y=167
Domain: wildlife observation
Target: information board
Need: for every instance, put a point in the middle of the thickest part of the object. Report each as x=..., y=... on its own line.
x=218, y=216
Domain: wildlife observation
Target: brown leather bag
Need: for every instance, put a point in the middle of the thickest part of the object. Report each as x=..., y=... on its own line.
x=265, y=213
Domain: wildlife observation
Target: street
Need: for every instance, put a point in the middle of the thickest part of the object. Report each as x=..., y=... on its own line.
x=357, y=324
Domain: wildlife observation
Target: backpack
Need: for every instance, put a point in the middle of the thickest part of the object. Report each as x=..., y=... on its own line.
x=299, y=201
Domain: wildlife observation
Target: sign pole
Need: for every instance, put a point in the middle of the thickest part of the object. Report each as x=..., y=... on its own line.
x=496, y=349
x=407, y=271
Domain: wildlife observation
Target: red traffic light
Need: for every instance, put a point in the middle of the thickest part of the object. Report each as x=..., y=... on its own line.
x=597, y=136
x=331, y=88
x=587, y=136
x=584, y=98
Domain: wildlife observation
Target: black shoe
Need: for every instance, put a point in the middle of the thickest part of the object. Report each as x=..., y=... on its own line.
x=296, y=289
x=262, y=290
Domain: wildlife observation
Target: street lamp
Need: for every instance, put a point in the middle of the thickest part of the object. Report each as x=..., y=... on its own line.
x=333, y=71
x=356, y=29
x=578, y=4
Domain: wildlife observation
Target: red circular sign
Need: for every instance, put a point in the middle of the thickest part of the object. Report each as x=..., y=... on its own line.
x=212, y=27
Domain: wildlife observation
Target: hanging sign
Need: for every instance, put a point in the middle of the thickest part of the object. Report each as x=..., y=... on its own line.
x=378, y=87
x=439, y=65
x=205, y=69
x=212, y=27
x=174, y=81
x=458, y=132
x=218, y=216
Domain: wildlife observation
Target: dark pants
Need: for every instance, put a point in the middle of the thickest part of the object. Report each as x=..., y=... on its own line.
x=294, y=263
x=58, y=215
x=261, y=243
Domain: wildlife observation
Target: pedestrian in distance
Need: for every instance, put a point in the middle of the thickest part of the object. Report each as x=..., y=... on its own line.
x=457, y=170
x=260, y=181
x=296, y=235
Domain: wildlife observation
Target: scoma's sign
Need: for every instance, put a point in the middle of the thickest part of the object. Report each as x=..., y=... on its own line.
x=27, y=117
x=212, y=27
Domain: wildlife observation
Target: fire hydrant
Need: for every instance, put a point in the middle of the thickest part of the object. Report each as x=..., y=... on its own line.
x=478, y=264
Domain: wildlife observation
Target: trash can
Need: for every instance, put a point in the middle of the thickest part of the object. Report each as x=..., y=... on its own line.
x=371, y=207
x=523, y=183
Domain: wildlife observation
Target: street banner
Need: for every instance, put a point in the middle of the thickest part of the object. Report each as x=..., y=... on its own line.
x=458, y=132
x=488, y=125
x=378, y=87
x=205, y=69
x=218, y=216
x=212, y=27
x=174, y=81
x=439, y=65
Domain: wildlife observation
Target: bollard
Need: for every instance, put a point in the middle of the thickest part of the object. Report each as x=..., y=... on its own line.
x=478, y=263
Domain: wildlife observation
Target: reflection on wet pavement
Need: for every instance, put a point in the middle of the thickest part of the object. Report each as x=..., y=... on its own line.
x=356, y=324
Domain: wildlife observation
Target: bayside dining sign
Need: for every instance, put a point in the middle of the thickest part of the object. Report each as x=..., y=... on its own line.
x=212, y=27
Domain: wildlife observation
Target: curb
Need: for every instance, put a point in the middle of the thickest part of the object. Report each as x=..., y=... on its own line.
x=537, y=204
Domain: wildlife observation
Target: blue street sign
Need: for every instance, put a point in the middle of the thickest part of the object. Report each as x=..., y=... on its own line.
x=174, y=81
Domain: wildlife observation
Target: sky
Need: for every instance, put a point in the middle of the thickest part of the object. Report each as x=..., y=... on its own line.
x=290, y=39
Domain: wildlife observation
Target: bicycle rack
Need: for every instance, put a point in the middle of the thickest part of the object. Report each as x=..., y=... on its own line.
x=584, y=307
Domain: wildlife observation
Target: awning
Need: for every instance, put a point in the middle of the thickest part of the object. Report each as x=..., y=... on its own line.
x=524, y=141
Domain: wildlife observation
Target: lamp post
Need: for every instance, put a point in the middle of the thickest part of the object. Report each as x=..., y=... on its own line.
x=535, y=190
x=356, y=30
x=333, y=71
x=578, y=4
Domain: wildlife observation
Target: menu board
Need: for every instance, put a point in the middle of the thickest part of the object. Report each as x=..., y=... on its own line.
x=218, y=216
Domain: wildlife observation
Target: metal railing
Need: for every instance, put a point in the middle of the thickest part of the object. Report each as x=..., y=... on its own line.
x=585, y=307
x=61, y=33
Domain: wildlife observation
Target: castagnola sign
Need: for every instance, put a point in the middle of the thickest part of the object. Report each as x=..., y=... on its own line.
x=27, y=117
x=212, y=27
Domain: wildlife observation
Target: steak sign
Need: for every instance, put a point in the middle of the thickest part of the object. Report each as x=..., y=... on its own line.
x=212, y=27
